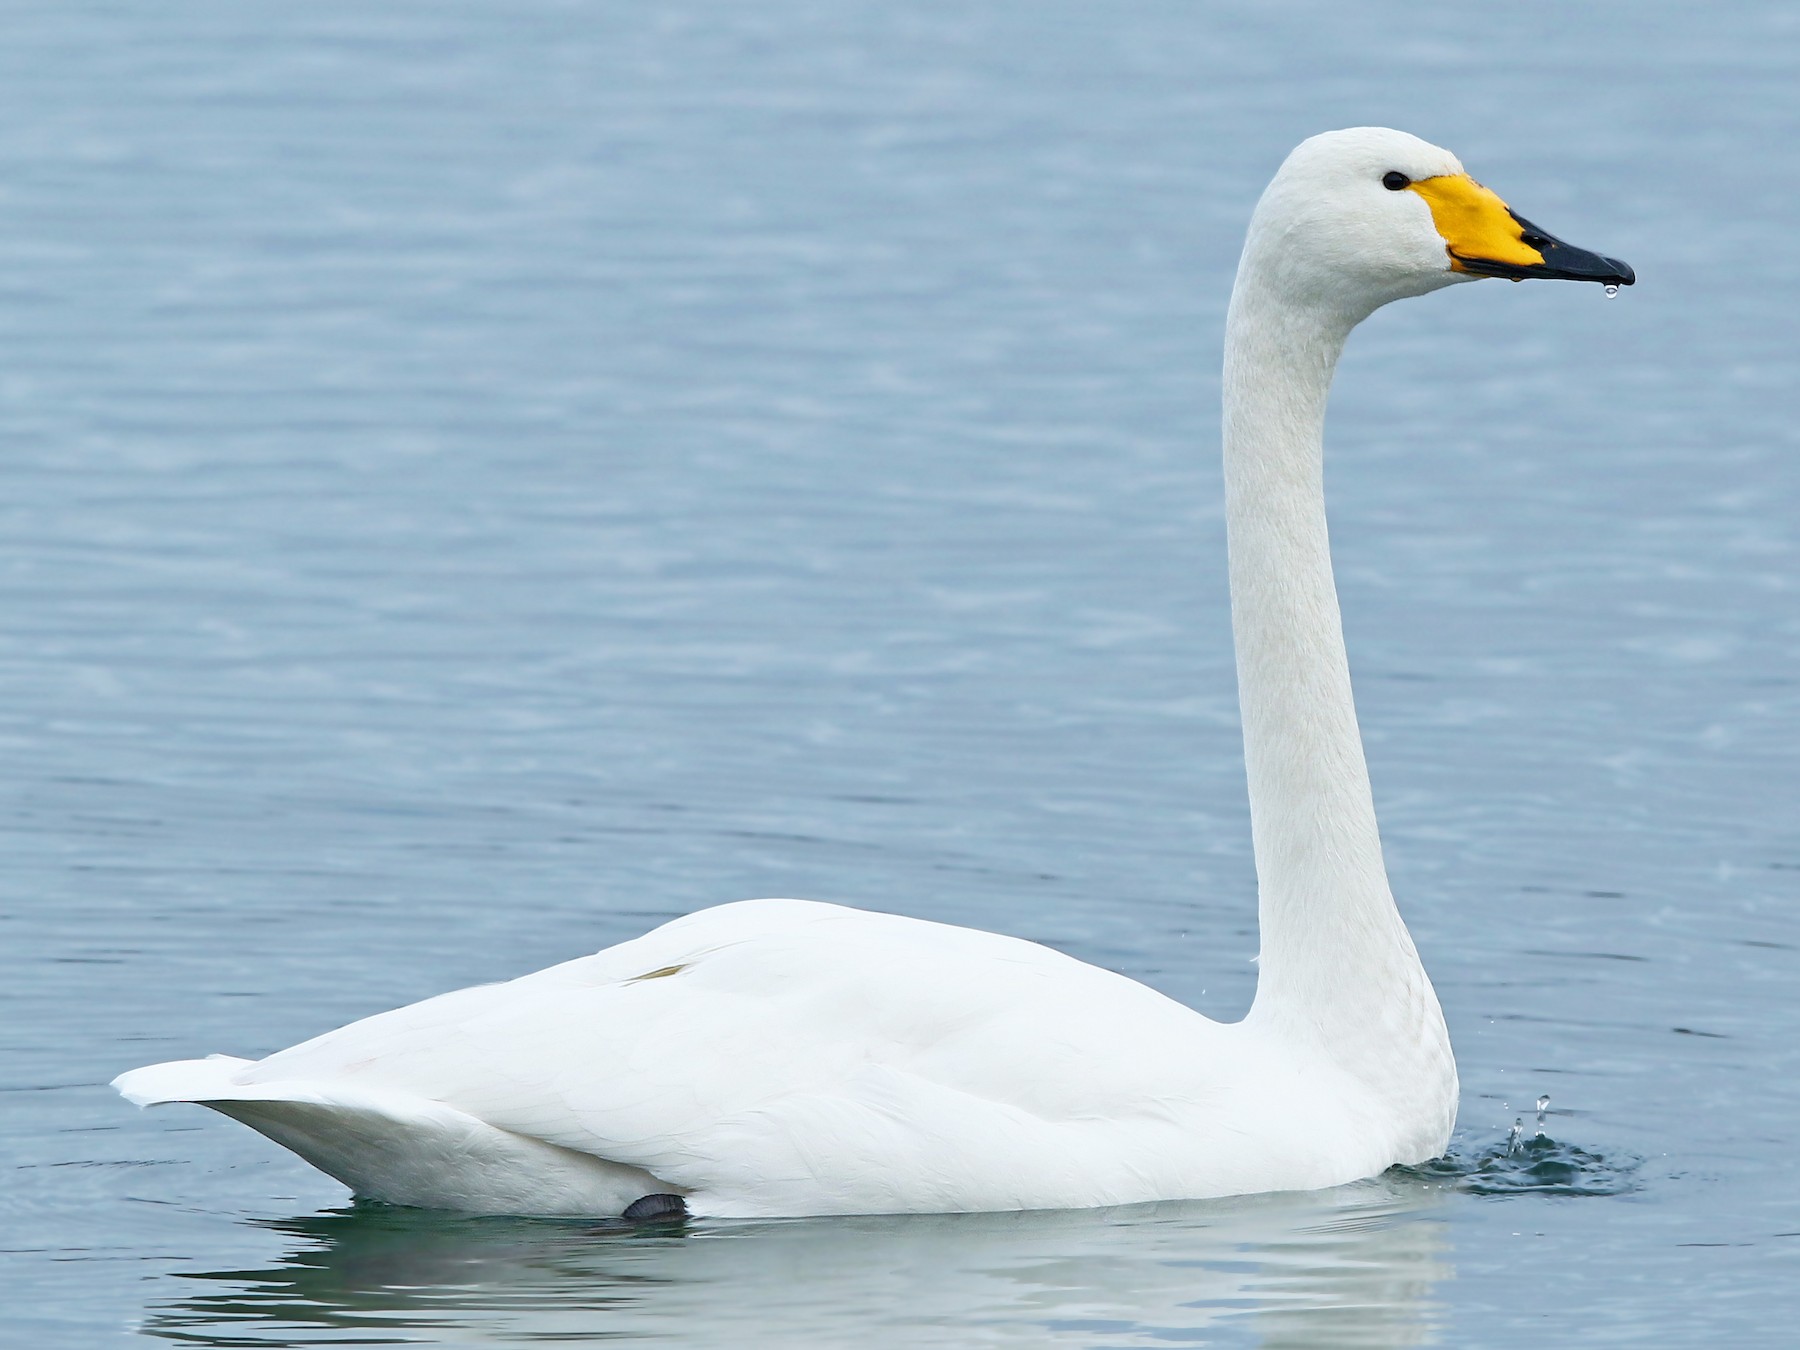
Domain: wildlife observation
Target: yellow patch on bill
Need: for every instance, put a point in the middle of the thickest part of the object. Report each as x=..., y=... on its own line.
x=1474, y=222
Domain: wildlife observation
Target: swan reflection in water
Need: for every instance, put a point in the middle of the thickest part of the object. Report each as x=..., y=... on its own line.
x=1355, y=1266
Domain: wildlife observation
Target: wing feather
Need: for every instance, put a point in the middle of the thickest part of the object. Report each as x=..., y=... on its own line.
x=789, y=1050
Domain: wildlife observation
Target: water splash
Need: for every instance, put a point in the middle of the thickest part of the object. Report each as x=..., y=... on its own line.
x=1539, y=1165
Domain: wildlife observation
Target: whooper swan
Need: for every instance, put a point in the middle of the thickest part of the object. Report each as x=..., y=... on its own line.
x=781, y=1057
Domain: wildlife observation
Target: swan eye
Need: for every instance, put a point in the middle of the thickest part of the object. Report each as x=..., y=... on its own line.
x=1393, y=181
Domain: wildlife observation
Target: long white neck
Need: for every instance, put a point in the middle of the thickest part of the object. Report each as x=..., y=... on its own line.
x=1337, y=964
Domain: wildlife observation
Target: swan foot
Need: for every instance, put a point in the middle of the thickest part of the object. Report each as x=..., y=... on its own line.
x=656, y=1207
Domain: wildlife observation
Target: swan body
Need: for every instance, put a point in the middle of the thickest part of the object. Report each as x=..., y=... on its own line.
x=779, y=1057
x=784, y=1057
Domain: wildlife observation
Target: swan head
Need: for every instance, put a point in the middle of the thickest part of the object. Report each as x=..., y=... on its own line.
x=1357, y=218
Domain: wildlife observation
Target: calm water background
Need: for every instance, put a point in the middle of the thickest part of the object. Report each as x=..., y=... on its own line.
x=481, y=479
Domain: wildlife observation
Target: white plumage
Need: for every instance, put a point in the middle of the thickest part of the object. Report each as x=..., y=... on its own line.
x=794, y=1058
x=782, y=1057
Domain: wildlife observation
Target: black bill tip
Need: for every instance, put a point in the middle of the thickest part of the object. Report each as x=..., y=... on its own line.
x=1562, y=262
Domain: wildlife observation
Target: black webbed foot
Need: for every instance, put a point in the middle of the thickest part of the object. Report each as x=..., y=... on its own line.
x=656, y=1207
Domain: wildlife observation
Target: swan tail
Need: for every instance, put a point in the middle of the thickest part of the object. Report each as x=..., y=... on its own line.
x=180, y=1080
x=397, y=1147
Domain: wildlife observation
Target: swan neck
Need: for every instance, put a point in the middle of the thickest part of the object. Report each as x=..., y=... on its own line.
x=1333, y=945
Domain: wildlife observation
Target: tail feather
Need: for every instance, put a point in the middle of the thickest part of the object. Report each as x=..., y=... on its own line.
x=395, y=1146
x=182, y=1080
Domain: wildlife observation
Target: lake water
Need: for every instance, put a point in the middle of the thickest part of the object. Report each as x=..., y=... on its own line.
x=479, y=480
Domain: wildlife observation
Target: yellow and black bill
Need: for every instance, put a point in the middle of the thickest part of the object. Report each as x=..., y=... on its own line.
x=1486, y=238
x=1555, y=260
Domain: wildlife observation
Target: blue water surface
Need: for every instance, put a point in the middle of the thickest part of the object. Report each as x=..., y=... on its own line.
x=480, y=479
